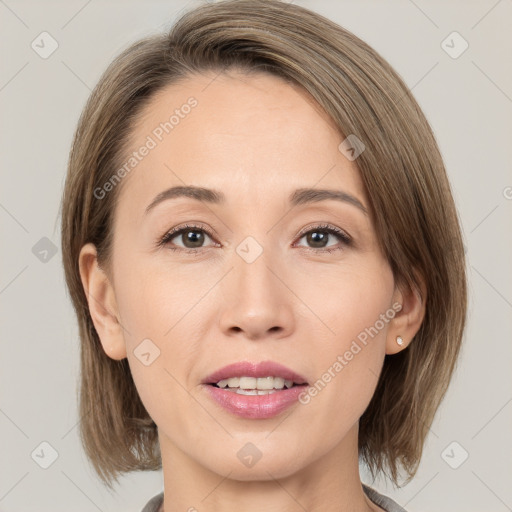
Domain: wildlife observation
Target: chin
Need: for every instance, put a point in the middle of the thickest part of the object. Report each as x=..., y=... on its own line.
x=250, y=464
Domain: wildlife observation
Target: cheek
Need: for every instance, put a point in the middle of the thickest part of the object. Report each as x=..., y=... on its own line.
x=153, y=299
x=159, y=307
x=356, y=308
x=349, y=299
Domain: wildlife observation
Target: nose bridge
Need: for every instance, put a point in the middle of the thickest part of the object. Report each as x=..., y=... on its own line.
x=256, y=300
x=253, y=263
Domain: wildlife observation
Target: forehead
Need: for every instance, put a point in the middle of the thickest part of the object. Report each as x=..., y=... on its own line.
x=254, y=136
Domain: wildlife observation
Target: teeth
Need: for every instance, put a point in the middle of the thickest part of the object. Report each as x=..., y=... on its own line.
x=255, y=384
x=252, y=391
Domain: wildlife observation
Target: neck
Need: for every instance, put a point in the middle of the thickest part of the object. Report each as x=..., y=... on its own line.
x=331, y=483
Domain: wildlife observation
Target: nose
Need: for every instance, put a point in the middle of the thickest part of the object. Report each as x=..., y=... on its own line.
x=257, y=303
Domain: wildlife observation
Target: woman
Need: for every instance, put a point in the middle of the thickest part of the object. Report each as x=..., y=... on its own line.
x=266, y=263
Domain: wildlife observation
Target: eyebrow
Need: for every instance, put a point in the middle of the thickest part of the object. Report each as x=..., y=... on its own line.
x=298, y=197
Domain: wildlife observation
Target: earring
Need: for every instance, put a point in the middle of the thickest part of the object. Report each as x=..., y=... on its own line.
x=400, y=340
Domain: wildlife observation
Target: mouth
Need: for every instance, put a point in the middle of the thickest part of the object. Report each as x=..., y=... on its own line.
x=255, y=390
x=247, y=385
x=263, y=378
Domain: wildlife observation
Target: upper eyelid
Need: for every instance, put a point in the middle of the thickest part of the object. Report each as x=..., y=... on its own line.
x=176, y=231
x=322, y=225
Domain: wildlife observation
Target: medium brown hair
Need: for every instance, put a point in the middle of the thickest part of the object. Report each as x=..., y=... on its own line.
x=402, y=171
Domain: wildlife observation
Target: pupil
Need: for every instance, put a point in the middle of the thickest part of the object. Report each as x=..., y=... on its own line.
x=320, y=238
x=195, y=237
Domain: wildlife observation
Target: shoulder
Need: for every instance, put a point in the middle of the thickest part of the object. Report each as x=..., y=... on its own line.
x=382, y=501
x=154, y=504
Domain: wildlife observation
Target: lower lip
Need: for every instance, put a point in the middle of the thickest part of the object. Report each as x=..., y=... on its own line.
x=256, y=406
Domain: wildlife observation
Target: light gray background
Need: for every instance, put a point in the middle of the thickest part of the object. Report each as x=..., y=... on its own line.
x=468, y=101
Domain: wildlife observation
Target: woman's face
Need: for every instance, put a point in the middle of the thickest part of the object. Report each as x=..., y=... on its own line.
x=257, y=278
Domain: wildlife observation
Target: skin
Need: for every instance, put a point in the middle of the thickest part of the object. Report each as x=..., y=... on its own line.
x=257, y=139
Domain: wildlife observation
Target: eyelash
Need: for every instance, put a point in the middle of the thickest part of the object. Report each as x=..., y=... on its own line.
x=328, y=228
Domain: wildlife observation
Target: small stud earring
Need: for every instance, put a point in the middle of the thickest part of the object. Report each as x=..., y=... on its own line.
x=400, y=340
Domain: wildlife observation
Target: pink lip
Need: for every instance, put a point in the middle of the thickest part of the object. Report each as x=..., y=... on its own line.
x=255, y=406
x=247, y=369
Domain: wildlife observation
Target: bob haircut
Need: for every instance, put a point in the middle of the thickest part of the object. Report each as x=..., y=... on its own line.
x=411, y=207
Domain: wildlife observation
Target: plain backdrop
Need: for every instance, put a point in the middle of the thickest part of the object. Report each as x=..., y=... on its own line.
x=467, y=98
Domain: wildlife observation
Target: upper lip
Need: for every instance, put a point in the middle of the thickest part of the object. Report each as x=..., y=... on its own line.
x=248, y=369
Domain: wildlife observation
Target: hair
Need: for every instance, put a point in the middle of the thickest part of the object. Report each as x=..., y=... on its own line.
x=402, y=170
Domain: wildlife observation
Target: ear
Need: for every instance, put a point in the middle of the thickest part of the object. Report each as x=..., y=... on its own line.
x=102, y=303
x=407, y=321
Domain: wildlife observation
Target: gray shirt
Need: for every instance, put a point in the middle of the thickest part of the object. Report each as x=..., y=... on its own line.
x=154, y=504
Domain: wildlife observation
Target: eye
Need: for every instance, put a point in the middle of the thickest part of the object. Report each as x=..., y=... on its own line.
x=192, y=237
x=318, y=236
